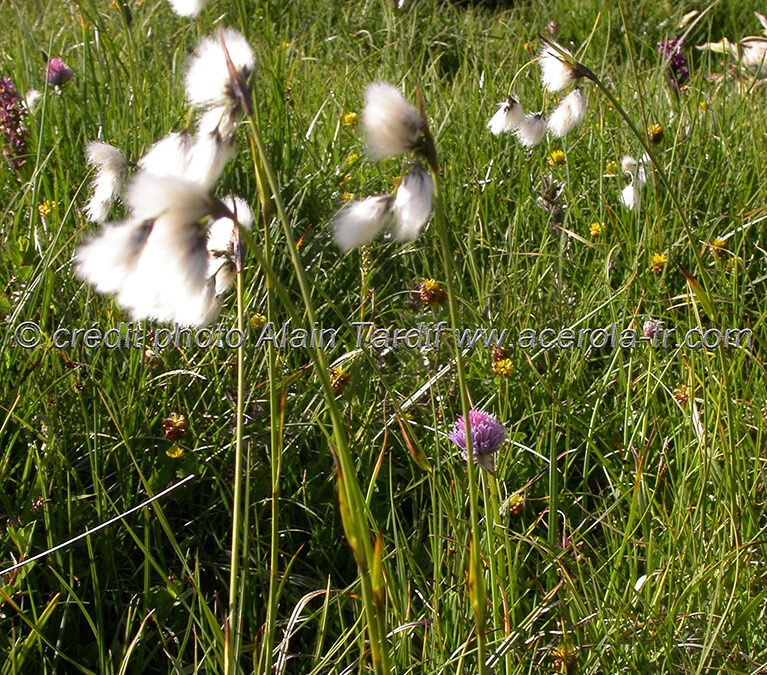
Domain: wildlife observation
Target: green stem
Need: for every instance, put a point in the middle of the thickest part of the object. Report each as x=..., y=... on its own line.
x=233, y=624
x=352, y=493
x=265, y=665
x=477, y=593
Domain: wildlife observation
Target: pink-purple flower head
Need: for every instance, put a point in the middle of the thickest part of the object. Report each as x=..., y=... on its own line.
x=487, y=434
x=13, y=133
x=677, y=68
x=57, y=72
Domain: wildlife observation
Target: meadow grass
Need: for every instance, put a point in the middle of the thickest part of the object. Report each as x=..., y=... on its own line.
x=643, y=551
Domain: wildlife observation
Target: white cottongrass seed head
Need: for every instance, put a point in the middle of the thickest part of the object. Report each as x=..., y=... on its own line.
x=412, y=204
x=223, y=243
x=507, y=117
x=223, y=247
x=634, y=173
x=392, y=125
x=187, y=7
x=107, y=259
x=219, y=72
x=359, y=222
x=32, y=100
x=531, y=129
x=634, y=170
x=200, y=158
x=110, y=164
x=169, y=156
x=568, y=114
x=157, y=261
x=556, y=73
x=631, y=197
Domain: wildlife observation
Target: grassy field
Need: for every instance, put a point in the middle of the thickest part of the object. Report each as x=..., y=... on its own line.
x=625, y=528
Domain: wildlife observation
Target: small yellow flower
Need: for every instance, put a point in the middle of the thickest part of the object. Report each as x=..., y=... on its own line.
x=503, y=367
x=346, y=196
x=556, y=158
x=257, y=320
x=352, y=158
x=657, y=262
x=595, y=229
x=174, y=451
x=350, y=119
x=655, y=132
x=717, y=248
x=345, y=180
x=611, y=168
x=45, y=208
x=703, y=106
x=286, y=44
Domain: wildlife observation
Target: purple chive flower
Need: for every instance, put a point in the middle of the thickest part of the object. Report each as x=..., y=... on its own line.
x=57, y=72
x=12, y=129
x=487, y=434
x=677, y=69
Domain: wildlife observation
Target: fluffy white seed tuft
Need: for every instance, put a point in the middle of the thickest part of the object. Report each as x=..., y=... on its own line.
x=507, y=117
x=200, y=158
x=222, y=243
x=106, y=260
x=110, y=164
x=150, y=195
x=208, y=80
x=531, y=129
x=359, y=222
x=412, y=204
x=568, y=114
x=392, y=125
x=630, y=196
x=187, y=7
x=556, y=74
x=32, y=100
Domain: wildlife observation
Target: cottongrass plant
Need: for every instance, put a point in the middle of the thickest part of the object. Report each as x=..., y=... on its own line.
x=352, y=504
x=392, y=127
x=218, y=80
x=111, y=165
x=634, y=173
x=175, y=256
x=507, y=117
x=157, y=262
x=557, y=74
x=188, y=7
x=531, y=130
x=568, y=114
